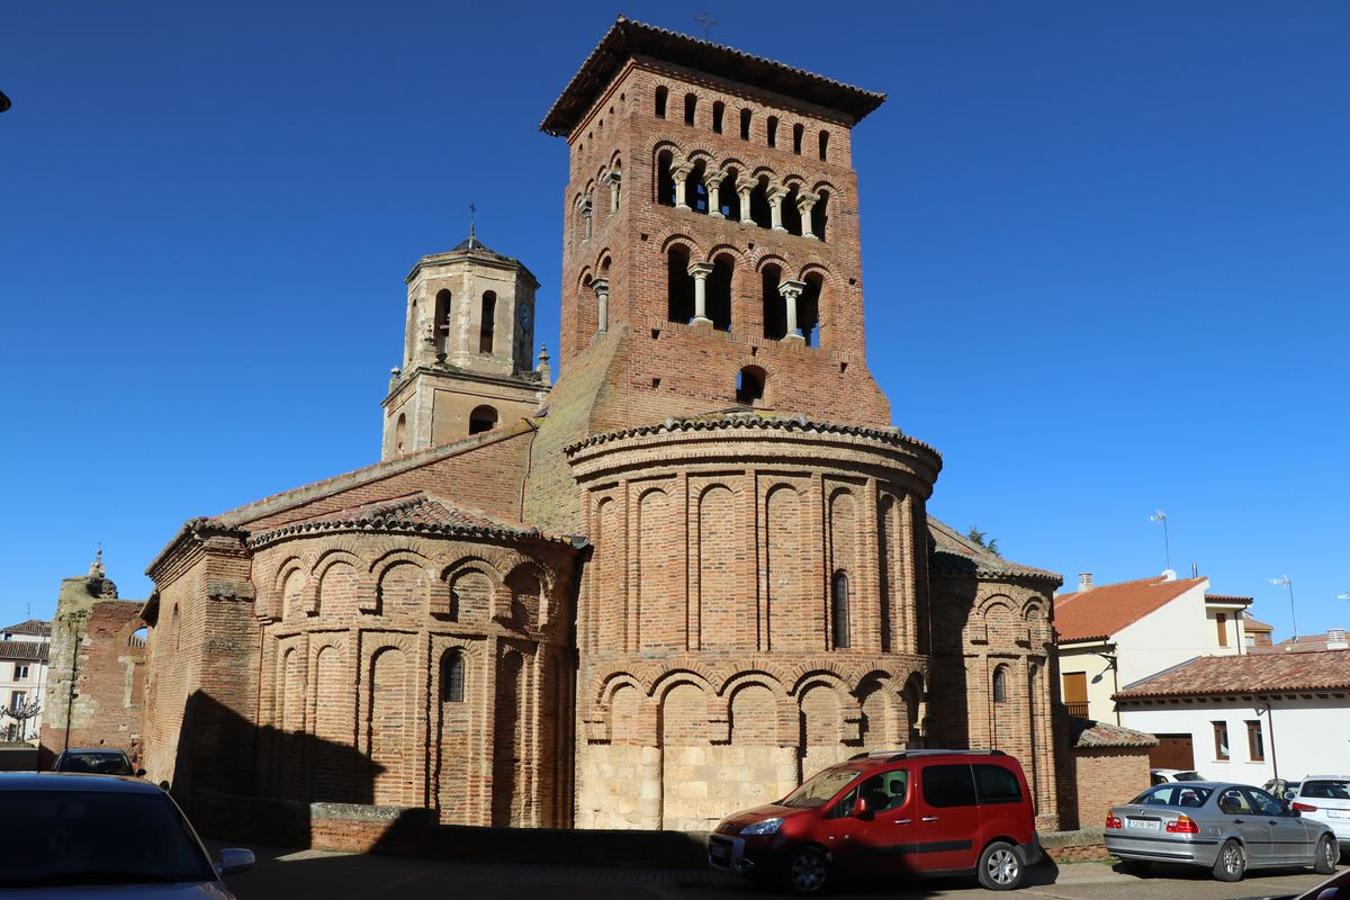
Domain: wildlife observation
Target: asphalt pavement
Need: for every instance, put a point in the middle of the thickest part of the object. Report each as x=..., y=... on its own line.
x=290, y=875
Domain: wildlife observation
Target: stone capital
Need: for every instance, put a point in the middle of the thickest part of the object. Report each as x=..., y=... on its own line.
x=805, y=202
x=791, y=289
x=777, y=192
x=681, y=172
x=601, y=287
x=613, y=177
x=700, y=269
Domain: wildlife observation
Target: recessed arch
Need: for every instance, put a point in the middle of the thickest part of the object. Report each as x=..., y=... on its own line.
x=661, y=101
x=751, y=383
x=679, y=284
x=483, y=418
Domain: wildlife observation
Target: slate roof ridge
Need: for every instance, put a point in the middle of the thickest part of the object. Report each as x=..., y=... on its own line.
x=728, y=420
x=625, y=39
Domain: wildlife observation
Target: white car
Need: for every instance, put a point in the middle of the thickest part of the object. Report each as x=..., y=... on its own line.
x=1326, y=799
x=1166, y=776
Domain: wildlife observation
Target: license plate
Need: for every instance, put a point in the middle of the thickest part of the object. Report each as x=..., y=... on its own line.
x=718, y=851
x=1339, y=813
x=1144, y=824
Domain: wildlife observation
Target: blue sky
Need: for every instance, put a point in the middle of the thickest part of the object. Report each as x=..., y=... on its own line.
x=1105, y=252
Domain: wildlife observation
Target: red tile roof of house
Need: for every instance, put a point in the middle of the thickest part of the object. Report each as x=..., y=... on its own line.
x=1309, y=642
x=1262, y=673
x=1102, y=611
x=1257, y=625
x=25, y=650
x=1091, y=734
x=34, y=627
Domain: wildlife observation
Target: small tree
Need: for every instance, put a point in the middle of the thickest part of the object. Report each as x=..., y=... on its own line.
x=982, y=540
x=23, y=714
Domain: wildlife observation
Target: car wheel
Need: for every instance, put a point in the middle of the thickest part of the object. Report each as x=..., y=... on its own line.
x=1231, y=863
x=808, y=871
x=1328, y=854
x=1001, y=867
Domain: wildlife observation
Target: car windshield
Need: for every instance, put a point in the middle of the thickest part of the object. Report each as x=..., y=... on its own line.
x=1188, y=776
x=820, y=789
x=1326, y=790
x=94, y=763
x=1179, y=795
x=97, y=838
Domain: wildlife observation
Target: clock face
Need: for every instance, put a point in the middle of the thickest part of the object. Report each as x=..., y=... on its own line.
x=525, y=315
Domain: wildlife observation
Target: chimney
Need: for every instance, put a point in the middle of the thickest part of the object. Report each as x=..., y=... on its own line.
x=1084, y=582
x=1336, y=639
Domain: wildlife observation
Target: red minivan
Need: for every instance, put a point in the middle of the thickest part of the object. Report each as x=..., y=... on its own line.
x=887, y=815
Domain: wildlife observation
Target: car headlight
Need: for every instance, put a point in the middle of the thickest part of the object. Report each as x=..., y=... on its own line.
x=764, y=826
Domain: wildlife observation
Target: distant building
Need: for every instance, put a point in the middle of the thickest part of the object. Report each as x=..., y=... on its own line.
x=23, y=678
x=1116, y=634
x=1334, y=639
x=93, y=695
x=1258, y=634
x=1247, y=718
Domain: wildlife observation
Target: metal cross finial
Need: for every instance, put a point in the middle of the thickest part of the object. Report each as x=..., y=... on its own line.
x=472, y=210
x=707, y=21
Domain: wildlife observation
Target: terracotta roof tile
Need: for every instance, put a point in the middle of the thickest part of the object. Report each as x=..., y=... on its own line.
x=1090, y=733
x=419, y=513
x=30, y=650
x=1308, y=642
x=1257, y=625
x=35, y=627
x=956, y=555
x=1102, y=611
x=1263, y=673
x=627, y=38
x=1228, y=598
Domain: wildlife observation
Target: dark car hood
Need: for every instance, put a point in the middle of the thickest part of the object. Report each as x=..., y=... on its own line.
x=198, y=891
x=738, y=820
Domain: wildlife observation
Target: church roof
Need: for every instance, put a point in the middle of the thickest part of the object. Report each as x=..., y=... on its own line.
x=419, y=513
x=627, y=38
x=473, y=247
x=956, y=555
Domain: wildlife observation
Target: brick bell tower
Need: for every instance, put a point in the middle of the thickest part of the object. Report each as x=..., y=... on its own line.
x=711, y=229
x=468, y=349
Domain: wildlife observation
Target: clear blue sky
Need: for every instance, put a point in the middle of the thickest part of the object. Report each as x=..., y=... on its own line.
x=1107, y=256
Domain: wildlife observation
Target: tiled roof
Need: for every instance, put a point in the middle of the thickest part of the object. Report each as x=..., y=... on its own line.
x=1228, y=598
x=35, y=627
x=1308, y=642
x=31, y=650
x=1257, y=625
x=417, y=513
x=741, y=420
x=1259, y=673
x=956, y=555
x=1102, y=611
x=627, y=38
x=1089, y=733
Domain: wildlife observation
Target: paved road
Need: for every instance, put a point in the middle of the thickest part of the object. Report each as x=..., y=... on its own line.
x=301, y=875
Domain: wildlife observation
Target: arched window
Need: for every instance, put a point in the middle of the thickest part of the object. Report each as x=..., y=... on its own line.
x=452, y=677
x=411, y=337
x=773, y=131
x=819, y=215
x=665, y=183
x=750, y=385
x=775, y=309
x=1001, y=684
x=138, y=637
x=719, y=111
x=661, y=95
x=695, y=191
x=719, y=293
x=401, y=434
x=176, y=629
x=808, y=309
x=839, y=610
x=760, y=211
x=824, y=144
x=488, y=328
x=690, y=107
x=442, y=322
x=679, y=286
x=746, y=116
x=798, y=132
x=483, y=418
x=728, y=199
x=792, y=216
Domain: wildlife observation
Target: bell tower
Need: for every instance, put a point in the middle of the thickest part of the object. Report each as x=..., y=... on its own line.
x=468, y=350
x=711, y=230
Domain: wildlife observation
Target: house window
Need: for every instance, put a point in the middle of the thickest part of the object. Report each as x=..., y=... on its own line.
x=1001, y=684
x=1221, y=621
x=20, y=672
x=1256, y=743
x=1220, y=741
x=17, y=700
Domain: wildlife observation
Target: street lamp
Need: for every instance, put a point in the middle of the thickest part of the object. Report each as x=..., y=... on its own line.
x=1286, y=581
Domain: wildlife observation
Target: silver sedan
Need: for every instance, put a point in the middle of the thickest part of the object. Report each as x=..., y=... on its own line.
x=1227, y=828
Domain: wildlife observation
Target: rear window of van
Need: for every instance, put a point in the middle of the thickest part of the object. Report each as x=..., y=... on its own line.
x=1326, y=790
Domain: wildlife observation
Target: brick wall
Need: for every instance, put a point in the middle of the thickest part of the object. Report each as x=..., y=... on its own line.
x=1106, y=777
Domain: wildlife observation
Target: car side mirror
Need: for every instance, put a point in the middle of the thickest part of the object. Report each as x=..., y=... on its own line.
x=234, y=859
x=140, y=773
x=859, y=808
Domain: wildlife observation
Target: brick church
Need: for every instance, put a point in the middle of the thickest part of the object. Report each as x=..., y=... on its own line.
x=691, y=572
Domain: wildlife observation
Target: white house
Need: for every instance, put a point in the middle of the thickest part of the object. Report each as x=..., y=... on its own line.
x=23, y=677
x=1116, y=634
x=1249, y=718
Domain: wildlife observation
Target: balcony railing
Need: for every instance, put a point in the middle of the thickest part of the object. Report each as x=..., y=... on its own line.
x=1077, y=708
